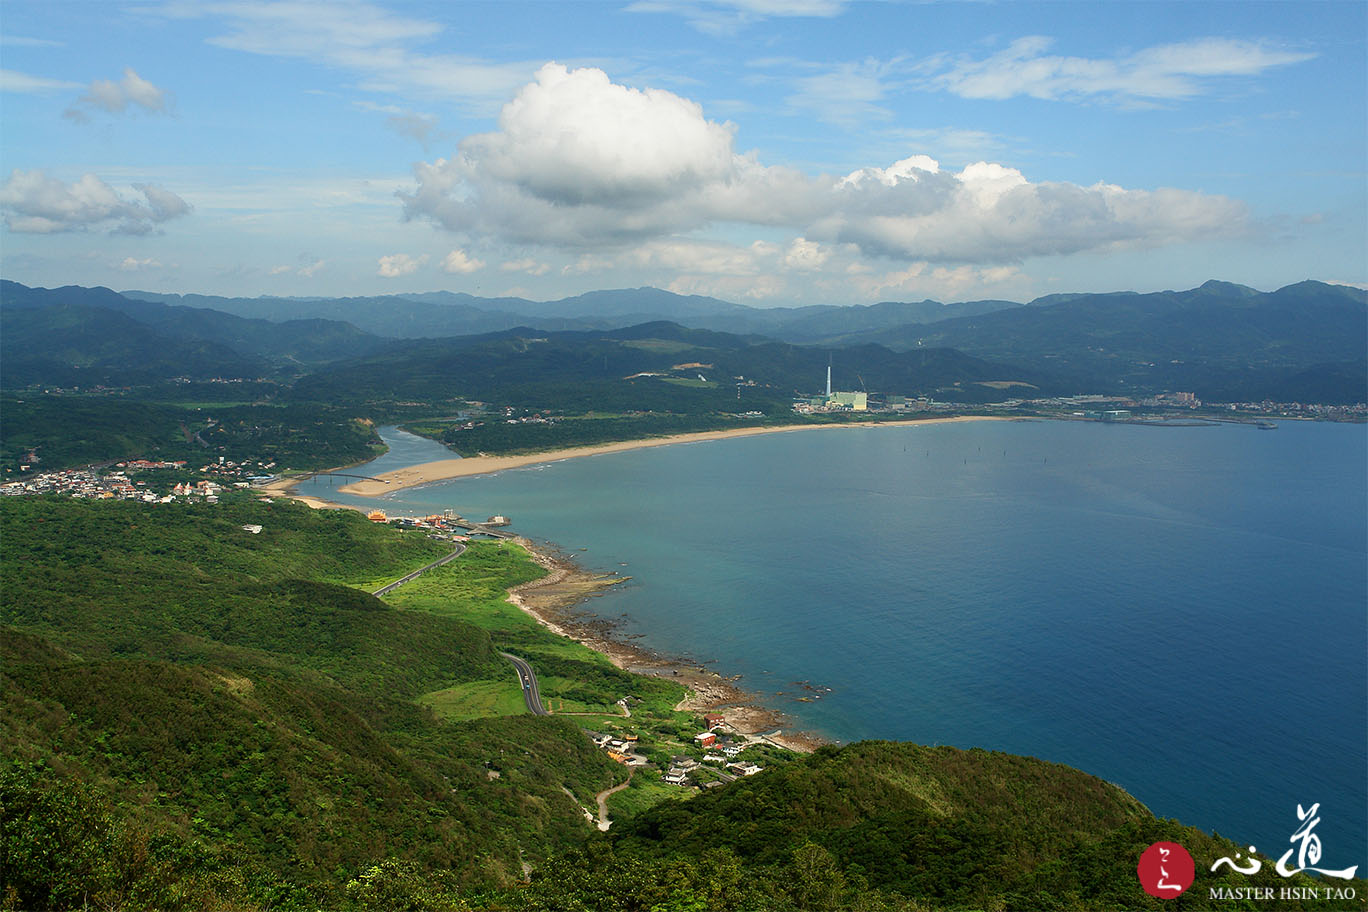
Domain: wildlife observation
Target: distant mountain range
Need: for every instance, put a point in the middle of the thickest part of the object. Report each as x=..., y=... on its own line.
x=1305, y=342
x=441, y=314
x=87, y=336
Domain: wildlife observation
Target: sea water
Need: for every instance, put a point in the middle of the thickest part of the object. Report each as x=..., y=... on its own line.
x=1181, y=611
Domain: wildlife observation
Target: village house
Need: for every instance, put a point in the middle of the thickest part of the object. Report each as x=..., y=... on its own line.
x=676, y=776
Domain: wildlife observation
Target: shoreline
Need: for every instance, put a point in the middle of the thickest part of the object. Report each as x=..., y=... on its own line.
x=447, y=469
x=552, y=602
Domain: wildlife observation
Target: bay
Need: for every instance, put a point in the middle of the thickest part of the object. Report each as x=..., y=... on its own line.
x=1181, y=611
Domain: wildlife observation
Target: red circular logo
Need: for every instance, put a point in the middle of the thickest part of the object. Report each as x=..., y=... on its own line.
x=1165, y=870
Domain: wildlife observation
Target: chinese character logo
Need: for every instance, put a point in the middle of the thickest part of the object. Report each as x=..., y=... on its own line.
x=1308, y=851
x=1165, y=870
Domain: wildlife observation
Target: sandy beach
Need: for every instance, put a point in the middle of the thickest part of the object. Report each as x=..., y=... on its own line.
x=446, y=469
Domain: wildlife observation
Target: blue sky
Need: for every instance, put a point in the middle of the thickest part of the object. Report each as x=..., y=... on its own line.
x=768, y=152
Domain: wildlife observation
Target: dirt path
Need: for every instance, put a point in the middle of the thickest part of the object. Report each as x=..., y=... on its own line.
x=587, y=814
x=603, y=822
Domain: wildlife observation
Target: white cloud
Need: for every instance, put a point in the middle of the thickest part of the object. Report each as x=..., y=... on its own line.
x=116, y=97
x=946, y=283
x=1164, y=72
x=845, y=95
x=361, y=38
x=131, y=264
x=722, y=17
x=987, y=213
x=23, y=83
x=165, y=204
x=728, y=287
x=804, y=255
x=307, y=268
x=457, y=262
x=574, y=136
x=581, y=163
x=527, y=265
x=400, y=264
x=36, y=203
x=21, y=41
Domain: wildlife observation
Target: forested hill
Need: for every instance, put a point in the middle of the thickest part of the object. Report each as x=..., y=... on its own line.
x=654, y=366
x=1304, y=342
x=1223, y=342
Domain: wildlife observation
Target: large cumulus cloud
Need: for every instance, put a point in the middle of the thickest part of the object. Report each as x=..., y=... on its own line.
x=579, y=162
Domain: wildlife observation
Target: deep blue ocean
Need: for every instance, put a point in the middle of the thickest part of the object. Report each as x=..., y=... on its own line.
x=1181, y=611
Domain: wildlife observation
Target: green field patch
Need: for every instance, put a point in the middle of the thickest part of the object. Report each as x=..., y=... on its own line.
x=569, y=695
x=477, y=700
x=646, y=790
x=474, y=588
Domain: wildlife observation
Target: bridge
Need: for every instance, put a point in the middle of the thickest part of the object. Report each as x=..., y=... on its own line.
x=341, y=475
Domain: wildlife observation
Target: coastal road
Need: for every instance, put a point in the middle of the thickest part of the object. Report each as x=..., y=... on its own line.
x=528, y=680
x=460, y=549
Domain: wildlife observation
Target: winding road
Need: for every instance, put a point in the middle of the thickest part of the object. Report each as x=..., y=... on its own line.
x=528, y=680
x=460, y=549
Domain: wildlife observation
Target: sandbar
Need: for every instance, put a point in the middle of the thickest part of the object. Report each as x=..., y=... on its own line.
x=446, y=469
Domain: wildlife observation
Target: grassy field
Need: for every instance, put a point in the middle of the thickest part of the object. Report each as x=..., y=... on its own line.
x=646, y=790
x=473, y=589
x=477, y=700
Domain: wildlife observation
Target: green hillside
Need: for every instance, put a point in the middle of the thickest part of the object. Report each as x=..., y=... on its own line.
x=197, y=716
x=1227, y=342
x=232, y=691
x=286, y=344
x=67, y=430
x=79, y=345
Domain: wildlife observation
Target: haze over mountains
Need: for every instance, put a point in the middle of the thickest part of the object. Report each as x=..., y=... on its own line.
x=442, y=313
x=1304, y=342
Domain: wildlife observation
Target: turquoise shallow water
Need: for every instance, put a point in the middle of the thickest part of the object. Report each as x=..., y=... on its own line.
x=1181, y=611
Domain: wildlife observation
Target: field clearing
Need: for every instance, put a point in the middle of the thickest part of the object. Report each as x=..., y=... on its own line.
x=477, y=700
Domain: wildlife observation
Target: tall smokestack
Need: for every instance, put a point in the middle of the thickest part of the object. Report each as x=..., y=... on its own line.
x=828, y=394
